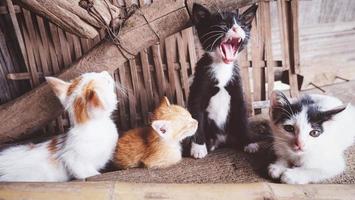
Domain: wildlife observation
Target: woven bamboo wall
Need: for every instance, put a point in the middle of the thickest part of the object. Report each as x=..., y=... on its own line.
x=32, y=47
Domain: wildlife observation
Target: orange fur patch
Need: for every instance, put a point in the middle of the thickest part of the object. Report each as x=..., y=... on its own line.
x=80, y=111
x=81, y=104
x=52, y=146
x=73, y=86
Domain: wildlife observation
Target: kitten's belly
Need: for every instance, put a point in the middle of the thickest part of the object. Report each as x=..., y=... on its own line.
x=218, y=108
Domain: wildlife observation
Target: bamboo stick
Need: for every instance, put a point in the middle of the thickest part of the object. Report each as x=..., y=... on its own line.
x=137, y=191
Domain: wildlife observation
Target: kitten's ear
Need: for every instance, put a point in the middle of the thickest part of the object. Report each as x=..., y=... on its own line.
x=59, y=87
x=164, y=102
x=162, y=127
x=276, y=103
x=276, y=98
x=199, y=13
x=327, y=115
x=249, y=14
x=236, y=11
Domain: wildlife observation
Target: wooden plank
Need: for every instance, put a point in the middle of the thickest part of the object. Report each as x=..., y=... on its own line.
x=189, y=37
x=12, y=13
x=56, y=44
x=285, y=44
x=9, y=90
x=110, y=189
x=244, y=69
x=4, y=10
x=256, y=53
x=170, y=49
x=146, y=71
x=67, y=59
x=32, y=67
x=184, y=77
x=132, y=98
x=122, y=96
x=294, y=38
x=77, y=46
x=160, y=77
x=44, y=50
x=266, y=22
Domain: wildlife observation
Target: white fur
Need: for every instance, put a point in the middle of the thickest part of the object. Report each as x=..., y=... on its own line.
x=219, y=105
x=251, y=148
x=198, y=150
x=322, y=156
x=85, y=149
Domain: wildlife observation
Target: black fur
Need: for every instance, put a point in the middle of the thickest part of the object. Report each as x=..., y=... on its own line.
x=283, y=110
x=210, y=26
x=204, y=86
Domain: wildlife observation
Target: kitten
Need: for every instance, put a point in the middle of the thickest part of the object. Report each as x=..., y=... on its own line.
x=310, y=136
x=86, y=148
x=216, y=96
x=157, y=145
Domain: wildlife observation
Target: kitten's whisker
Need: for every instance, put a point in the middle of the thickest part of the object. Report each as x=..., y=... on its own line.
x=223, y=27
x=210, y=37
x=287, y=102
x=211, y=32
x=285, y=111
x=277, y=137
x=215, y=42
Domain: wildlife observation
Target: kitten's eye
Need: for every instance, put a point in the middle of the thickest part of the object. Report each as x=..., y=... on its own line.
x=289, y=128
x=314, y=133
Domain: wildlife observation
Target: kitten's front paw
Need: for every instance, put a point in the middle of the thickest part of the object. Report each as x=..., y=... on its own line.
x=251, y=148
x=276, y=170
x=198, y=150
x=294, y=176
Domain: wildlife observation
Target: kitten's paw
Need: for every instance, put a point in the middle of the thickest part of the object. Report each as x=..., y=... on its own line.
x=294, y=176
x=198, y=150
x=276, y=170
x=251, y=148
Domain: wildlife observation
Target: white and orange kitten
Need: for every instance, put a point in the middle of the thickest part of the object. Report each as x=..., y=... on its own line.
x=310, y=137
x=85, y=149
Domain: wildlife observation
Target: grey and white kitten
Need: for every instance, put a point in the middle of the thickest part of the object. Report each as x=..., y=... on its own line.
x=310, y=137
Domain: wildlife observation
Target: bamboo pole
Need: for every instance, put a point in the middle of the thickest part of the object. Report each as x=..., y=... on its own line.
x=137, y=191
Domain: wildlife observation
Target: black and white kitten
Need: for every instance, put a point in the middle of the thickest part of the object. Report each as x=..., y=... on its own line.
x=216, y=95
x=310, y=137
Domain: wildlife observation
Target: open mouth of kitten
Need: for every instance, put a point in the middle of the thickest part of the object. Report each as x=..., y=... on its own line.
x=229, y=48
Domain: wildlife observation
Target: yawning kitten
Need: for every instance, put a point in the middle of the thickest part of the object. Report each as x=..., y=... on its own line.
x=85, y=149
x=310, y=136
x=216, y=96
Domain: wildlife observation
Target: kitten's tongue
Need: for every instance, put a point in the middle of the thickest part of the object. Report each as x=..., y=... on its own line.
x=228, y=52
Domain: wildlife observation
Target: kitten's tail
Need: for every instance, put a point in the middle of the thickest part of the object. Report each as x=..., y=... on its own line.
x=24, y=163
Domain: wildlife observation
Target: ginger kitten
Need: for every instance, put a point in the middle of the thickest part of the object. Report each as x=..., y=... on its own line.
x=85, y=149
x=157, y=145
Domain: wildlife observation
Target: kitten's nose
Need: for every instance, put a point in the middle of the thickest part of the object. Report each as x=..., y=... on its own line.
x=299, y=145
x=234, y=29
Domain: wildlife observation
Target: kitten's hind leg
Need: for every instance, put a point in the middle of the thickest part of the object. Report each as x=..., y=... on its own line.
x=276, y=169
